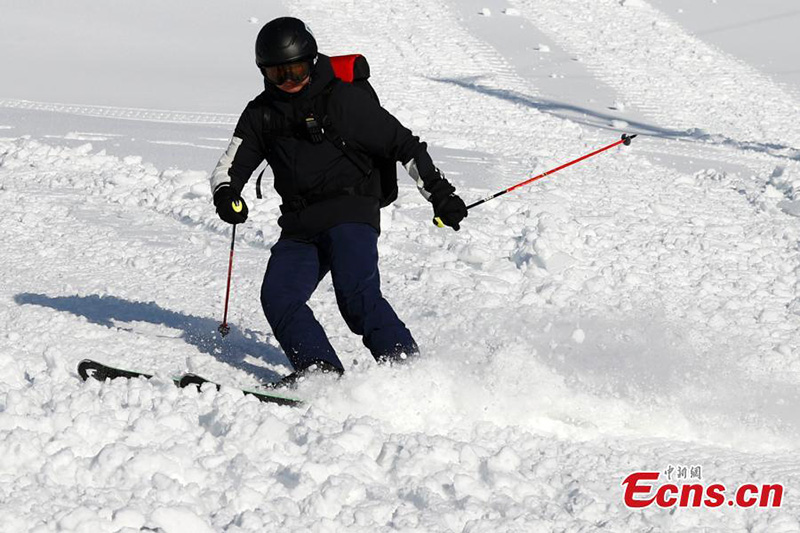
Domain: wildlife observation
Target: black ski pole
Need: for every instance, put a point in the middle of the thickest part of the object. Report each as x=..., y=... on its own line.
x=626, y=140
x=224, y=329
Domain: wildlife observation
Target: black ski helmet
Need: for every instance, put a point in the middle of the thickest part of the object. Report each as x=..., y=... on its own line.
x=284, y=40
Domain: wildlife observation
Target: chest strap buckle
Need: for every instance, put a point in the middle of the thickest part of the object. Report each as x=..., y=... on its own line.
x=314, y=129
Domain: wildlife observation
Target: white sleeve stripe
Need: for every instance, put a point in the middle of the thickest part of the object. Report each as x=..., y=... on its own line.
x=220, y=175
x=413, y=171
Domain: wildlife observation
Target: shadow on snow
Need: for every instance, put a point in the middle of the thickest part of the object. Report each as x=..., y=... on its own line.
x=588, y=117
x=199, y=332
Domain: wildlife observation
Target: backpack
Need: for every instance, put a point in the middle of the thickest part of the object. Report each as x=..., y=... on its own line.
x=354, y=69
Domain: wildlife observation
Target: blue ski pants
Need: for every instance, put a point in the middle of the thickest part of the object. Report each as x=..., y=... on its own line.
x=350, y=253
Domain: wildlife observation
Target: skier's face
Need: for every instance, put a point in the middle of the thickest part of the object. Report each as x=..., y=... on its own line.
x=291, y=86
x=290, y=78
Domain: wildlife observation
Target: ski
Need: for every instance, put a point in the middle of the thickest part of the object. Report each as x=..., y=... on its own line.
x=267, y=397
x=92, y=369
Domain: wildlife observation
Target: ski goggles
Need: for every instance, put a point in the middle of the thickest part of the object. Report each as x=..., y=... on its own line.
x=280, y=74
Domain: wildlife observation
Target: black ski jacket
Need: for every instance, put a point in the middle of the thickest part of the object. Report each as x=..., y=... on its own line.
x=320, y=186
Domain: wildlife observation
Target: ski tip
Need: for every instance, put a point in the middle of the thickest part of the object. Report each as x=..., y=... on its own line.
x=85, y=368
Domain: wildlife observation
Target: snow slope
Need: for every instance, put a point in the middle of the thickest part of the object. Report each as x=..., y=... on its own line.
x=637, y=311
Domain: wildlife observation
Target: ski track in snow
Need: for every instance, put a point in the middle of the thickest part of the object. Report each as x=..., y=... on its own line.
x=620, y=316
x=124, y=113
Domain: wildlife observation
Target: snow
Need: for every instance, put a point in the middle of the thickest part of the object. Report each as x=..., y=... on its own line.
x=638, y=310
x=763, y=37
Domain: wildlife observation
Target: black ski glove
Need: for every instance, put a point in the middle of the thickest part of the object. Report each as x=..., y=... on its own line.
x=447, y=206
x=230, y=206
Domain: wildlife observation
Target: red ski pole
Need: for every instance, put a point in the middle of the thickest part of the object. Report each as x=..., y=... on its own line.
x=224, y=329
x=626, y=140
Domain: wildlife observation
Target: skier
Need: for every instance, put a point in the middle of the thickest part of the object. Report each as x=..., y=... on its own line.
x=330, y=219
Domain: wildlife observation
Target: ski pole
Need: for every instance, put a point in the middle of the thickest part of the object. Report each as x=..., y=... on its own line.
x=224, y=329
x=626, y=140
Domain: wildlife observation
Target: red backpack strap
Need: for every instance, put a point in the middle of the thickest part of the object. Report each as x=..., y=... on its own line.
x=350, y=68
